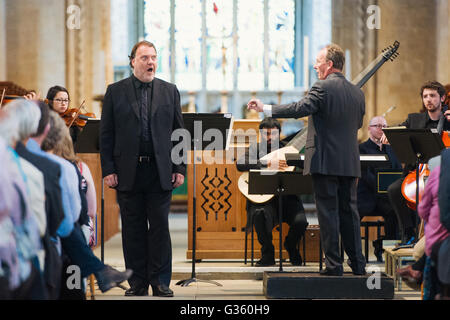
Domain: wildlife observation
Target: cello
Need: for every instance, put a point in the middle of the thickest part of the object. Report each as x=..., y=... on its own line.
x=410, y=182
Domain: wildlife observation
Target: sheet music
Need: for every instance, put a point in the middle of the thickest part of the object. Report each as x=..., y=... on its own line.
x=372, y=157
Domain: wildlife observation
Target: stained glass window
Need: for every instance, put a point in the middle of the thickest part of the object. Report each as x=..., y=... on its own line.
x=250, y=44
x=219, y=44
x=157, y=30
x=281, y=44
x=233, y=55
x=188, y=44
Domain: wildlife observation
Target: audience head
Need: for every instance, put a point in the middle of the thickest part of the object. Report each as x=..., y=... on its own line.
x=43, y=125
x=27, y=114
x=9, y=128
x=64, y=148
x=56, y=132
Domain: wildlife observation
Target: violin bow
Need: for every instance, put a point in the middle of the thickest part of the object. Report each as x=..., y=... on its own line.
x=3, y=95
x=78, y=112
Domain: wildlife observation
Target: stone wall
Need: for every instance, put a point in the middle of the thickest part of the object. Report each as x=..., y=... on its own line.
x=35, y=43
x=413, y=23
x=44, y=47
x=421, y=27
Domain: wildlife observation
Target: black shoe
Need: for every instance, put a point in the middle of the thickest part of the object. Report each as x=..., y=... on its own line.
x=357, y=271
x=329, y=272
x=109, y=278
x=294, y=255
x=137, y=291
x=377, y=244
x=265, y=262
x=162, y=291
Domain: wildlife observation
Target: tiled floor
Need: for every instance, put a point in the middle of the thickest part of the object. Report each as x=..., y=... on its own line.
x=238, y=281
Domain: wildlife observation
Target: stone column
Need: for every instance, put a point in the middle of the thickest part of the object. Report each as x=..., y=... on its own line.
x=351, y=33
x=443, y=41
x=88, y=52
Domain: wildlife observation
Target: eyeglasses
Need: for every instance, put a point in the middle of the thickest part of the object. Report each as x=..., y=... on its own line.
x=62, y=100
x=379, y=126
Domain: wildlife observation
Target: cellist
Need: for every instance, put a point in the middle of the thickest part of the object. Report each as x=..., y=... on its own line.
x=432, y=94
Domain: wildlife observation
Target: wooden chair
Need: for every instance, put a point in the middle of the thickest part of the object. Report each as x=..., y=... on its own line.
x=370, y=222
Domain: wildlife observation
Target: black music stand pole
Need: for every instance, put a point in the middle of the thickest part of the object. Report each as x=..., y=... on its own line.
x=89, y=142
x=415, y=146
x=280, y=183
x=197, y=124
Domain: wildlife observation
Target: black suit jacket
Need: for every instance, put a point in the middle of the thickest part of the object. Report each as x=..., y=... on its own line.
x=416, y=120
x=367, y=193
x=120, y=131
x=336, y=109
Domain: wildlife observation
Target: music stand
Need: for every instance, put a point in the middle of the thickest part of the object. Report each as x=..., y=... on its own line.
x=413, y=147
x=197, y=124
x=279, y=183
x=89, y=142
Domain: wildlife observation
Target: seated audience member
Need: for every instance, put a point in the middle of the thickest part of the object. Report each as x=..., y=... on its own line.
x=65, y=150
x=29, y=284
x=443, y=254
x=74, y=245
x=9, y=268
x=265, y=216
x=27, y=115
x=53, y=197
x=370, y=202
x=435, y=233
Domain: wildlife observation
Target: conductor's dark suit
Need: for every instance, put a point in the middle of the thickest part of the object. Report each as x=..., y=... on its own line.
x=144, y=170
x=336, y=109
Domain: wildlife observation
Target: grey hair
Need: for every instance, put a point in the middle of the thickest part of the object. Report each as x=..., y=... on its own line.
x=9, y=128
x=56, y=132
x=27, y=114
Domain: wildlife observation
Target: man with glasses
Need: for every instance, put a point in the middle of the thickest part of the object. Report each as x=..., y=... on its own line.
x=370, y=202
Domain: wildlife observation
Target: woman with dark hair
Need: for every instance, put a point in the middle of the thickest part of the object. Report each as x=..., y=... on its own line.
x=59, y=99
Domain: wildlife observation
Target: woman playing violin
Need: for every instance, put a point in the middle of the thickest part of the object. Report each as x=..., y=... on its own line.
x=59, y=99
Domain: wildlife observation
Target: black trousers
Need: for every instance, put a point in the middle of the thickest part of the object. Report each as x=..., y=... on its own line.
x=405, y=216
x=146, y=242
x=265, y=217
x=337, y=213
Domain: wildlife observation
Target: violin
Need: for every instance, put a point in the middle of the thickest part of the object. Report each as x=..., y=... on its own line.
x=73, y=116
x=5, y=99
